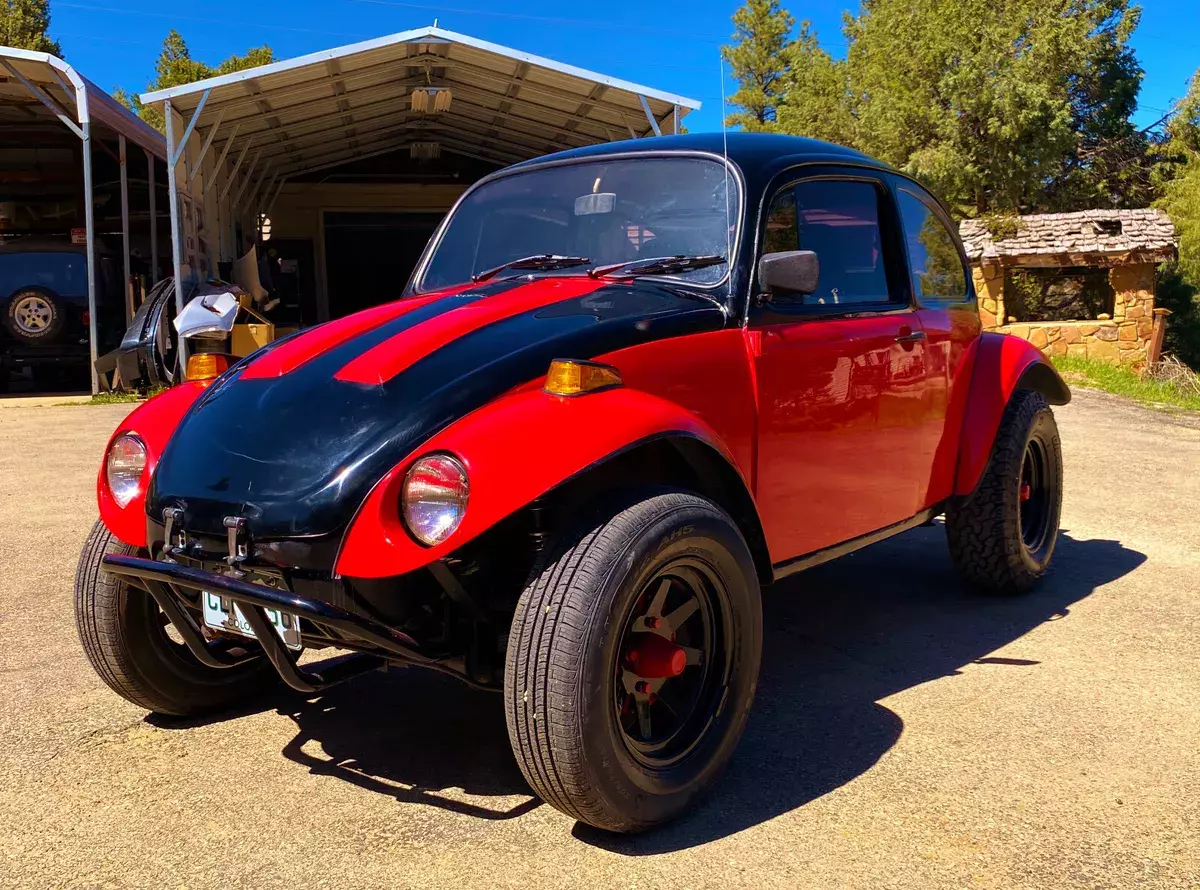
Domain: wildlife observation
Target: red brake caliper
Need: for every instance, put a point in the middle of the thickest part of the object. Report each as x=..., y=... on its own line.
x=1026, y=492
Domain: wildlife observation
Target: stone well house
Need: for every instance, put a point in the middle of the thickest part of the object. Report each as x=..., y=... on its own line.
x=1125, y=245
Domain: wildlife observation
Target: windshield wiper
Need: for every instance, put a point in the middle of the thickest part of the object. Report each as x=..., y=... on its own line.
x=659, y=265
x=541, y=261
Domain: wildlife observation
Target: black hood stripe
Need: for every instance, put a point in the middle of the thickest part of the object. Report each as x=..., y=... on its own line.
x=296, y=455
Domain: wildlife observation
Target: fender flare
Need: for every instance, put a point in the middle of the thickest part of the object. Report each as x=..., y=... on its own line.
x=153, y=421
x=515, y=449
x=1003, y=365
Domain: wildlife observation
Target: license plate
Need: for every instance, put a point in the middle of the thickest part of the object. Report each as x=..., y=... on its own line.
x=221, y=614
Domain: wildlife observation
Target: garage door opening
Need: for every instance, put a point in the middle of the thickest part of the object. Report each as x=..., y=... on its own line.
x=370, y=256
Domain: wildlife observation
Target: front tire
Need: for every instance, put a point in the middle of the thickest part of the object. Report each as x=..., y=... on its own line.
x=632, y=661
x=1002, y=538
x=125, y=637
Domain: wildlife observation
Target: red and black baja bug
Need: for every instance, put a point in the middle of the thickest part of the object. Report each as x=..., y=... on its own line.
x=626, y=387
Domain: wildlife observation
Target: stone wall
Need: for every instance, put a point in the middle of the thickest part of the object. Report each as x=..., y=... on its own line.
x=1123, y=339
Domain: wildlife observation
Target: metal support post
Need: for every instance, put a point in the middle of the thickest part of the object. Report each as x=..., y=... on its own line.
x=153, y=222
x=221, y=160
x=124, y=163
x=650, y=116
x=176, y=240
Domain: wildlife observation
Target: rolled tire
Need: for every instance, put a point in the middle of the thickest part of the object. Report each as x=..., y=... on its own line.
x=125, y=637
x=1002, y=537
x=596, y=728
x=34, y=315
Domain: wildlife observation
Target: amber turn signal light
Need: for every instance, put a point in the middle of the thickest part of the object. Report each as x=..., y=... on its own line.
x=206, y=366
x=568, y=377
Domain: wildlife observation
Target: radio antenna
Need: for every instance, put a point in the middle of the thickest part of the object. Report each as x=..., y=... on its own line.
x=725, y=158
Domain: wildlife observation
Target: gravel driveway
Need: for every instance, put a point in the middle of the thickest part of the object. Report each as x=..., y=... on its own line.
x=906, y=733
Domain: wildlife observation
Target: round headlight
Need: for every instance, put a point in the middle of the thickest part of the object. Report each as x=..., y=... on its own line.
x=124, y=467
x=435, y=498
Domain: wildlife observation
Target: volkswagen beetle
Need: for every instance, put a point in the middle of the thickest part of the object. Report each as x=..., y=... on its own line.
x=626, y=388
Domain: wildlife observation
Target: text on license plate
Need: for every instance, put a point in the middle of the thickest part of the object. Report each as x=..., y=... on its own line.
x=221, y=614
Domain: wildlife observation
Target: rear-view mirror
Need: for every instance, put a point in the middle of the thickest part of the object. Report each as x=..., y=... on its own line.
x=794, y=271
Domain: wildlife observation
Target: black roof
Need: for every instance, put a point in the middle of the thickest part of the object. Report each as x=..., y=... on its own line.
x=747, y=150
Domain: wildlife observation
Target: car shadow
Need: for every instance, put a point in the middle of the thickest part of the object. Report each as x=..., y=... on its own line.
x=843, y=636
x=837, y=639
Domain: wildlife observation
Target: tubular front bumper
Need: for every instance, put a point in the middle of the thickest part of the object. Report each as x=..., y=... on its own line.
x=375, y=643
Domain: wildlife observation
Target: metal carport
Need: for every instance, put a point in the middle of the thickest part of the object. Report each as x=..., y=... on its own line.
x=37, y=88
x=246, y=136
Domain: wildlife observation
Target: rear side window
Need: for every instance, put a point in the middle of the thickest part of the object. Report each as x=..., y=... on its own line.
x=937, y=269
x=63, y=273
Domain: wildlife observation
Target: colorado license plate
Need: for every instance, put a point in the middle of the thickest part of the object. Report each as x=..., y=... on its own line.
x=221, y=614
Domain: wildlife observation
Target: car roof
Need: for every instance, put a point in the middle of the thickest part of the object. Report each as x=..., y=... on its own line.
x=41, y=245
x=749, y=151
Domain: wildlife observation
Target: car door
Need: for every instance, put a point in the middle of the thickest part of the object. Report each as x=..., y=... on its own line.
x=946, y=308
x=841, y=374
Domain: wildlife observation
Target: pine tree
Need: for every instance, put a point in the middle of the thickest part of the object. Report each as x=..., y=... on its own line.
x=759, y=62
x=176, y=67
x=24, y=23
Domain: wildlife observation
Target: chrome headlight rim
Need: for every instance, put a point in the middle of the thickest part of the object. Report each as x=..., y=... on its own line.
x=124, y=480
x=418, y=508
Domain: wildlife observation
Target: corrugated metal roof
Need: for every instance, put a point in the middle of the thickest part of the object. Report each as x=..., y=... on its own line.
x=329, y=107
x=73, y=92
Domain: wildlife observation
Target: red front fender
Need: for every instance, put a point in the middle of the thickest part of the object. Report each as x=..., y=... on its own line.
x=1003, y=365
x=515, y=449
x=154, y=422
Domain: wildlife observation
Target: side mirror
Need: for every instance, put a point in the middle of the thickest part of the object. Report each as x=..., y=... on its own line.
x=795, y=271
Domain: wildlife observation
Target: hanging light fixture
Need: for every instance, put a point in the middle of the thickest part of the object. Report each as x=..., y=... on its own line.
x=434, y=100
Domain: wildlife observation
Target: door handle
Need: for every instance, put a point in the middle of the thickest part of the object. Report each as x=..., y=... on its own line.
x=911, y=337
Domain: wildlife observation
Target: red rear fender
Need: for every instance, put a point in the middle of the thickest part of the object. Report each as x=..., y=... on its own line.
x=515, y=449
x=1003, y=365
x=153, y=422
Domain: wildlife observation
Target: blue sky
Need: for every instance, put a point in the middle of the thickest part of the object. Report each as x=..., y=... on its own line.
x=671, y=45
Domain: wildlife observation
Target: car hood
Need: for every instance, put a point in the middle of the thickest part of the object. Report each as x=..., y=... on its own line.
x=294, y=438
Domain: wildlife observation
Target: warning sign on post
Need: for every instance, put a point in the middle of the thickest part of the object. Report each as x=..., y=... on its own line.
x=79, y=236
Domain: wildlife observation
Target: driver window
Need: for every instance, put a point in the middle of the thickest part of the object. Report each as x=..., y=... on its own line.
x=839, y=220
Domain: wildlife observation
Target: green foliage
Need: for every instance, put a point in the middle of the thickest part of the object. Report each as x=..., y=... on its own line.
x=1002, y=225
x=1182, y=296
x=815, y=98
x=176, y=67
x=758, y=58
x=1001, y=105
x=23, y=24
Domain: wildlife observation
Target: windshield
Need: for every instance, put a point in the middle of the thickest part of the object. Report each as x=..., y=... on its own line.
x=607, y=212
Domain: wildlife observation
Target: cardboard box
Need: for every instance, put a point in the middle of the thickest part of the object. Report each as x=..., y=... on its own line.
x=248, y=336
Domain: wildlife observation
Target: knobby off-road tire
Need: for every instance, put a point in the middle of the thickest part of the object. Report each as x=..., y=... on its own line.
x=568, y=647
x=125, y=640
x=994, y=546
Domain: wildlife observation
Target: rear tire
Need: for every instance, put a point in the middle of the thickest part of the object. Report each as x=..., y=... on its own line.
x=1002, y=538
x=125, y=639
x=575, y=699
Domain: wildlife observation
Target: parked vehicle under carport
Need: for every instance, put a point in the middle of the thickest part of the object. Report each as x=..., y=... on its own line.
x=44, y=310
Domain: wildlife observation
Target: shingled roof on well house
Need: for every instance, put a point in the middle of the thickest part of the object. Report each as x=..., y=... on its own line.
x=1142, y=235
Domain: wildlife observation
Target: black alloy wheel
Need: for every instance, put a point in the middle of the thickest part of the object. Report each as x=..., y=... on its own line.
x=1036, y=497
x=672, y=663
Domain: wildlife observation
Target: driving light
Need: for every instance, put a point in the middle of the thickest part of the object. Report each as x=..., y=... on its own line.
x=434, y=498
x=124, y=466
x=568, y=377
x=206, y=366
